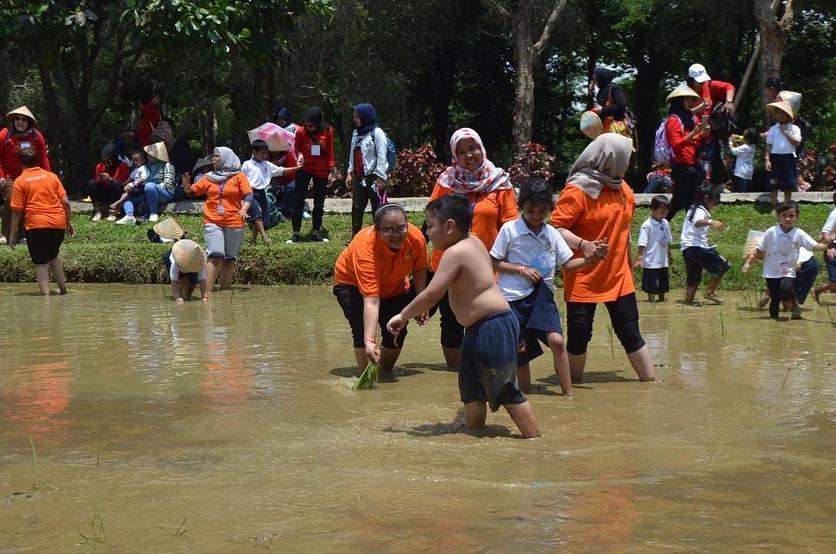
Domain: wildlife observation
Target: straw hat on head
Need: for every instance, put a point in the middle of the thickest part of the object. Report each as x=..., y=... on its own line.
x=794, y=98
x=157, y=151
x=169, y=229
x=782, y=106
x=682, y=91
x=591, y=125
x=24, y=111
x=188, y=255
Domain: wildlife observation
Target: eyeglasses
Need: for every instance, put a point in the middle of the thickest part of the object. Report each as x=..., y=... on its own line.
x=394, y=230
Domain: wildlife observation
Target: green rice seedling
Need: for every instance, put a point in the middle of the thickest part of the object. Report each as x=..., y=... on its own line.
x=368, y=378
x=722, y=324
x=35, y=462
x=181, y=530
x=99, y=452
x=612, y=347
x=97, y=531
x=830, y=315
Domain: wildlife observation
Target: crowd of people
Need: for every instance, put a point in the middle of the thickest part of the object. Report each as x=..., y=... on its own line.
x=495, y=250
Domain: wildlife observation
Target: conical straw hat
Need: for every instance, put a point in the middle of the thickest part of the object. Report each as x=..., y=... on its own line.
x=682, y=91
x=169, y=229
x=591, y=125
x=783, y=106
x=23, y=110
x=158, y=151
x=188, y=255
x=794, y=98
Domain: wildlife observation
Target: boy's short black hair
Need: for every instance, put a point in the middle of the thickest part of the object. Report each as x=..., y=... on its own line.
x=536, y=191
x=751, y=136
x=786, y=205
x=452, y=206
x=258, y=145
x=141, y=152
x=28, y=157
x=659, y=201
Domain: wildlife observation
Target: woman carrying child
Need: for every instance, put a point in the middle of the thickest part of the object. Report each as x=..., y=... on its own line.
x=372, y=282
x=492, y=203
x=696, y=251
x=228, y=198
x=158, y=188
x=595, y=209
x=367, y=165
x=133, y=187
x=686, y=135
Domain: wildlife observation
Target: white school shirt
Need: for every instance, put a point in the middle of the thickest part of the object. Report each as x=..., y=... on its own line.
x=780, y=143
x=745, y=160
x=259, y=174
x=174, y=271
x=830, y=224
x=655, y=236
x=691, y=234
x=781, y=250
x=517, y=244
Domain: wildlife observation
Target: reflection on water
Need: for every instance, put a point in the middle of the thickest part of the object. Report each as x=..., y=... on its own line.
x=238, y=416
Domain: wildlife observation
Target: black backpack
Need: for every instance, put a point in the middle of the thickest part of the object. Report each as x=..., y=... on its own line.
x=723, y=125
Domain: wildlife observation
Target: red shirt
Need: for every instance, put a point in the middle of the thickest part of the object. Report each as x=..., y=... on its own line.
x=38, y=193
x=684, y=149
x=118, y=171
x=321, y=164
x=150, y=117
x=714, y=92
x=10, y=147
x=289, y=163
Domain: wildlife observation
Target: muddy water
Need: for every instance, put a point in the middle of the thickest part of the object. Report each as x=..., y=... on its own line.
x=231, y=427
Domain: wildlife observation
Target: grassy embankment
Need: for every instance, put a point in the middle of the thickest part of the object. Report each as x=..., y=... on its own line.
x=104, y=252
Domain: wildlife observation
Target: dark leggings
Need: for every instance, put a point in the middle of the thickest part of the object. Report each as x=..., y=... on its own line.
x=686, y=182
x=320, y=184
x=361, y=195
x=624, y=315
x=779, y=289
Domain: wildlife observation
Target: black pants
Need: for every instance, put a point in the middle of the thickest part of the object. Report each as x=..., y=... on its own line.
x=361, y=194
x=686, y=182
x=779, y=289
x=714, y=153
x=101, y=195
x=320, y=184
x=624, y=315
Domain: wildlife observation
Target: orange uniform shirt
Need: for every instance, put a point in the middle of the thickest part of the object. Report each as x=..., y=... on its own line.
x=38, y=192
x=489, y=213
x=607, y=217
x=377, y=270
x=235, y=189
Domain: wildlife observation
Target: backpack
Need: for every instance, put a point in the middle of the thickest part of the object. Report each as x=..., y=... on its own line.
x=272, y=216
x=391, y=152
x=662, y=151
x=723, y=125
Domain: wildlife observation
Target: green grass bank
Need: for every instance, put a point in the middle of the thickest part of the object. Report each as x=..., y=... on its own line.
x=104, y=252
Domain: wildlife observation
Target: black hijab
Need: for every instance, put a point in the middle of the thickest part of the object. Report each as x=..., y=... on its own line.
x=603, y=78
x=314, y=115
x=678, y=109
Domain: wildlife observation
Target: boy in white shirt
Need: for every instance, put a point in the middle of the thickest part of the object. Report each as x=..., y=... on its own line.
x=525, y=253
x=655, y=250
x=781, y=141
x=744, y=152
x=828, y=236
x=259, y=172
x=696, y=251
x=779, y=246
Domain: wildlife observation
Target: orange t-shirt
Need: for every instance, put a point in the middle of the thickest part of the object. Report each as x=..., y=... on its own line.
x=377, y=270
x=38, y=192
x=235, y=189
x=607, y=217
x=489, y=213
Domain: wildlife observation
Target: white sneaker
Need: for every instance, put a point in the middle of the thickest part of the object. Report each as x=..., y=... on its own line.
x=125, y=220
x=306, y=215
x=154, y=218
x=3, y=240
x=96, y=217
x=111, y=218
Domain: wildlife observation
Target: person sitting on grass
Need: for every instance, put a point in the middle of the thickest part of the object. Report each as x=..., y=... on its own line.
x=111, y=176
x=779, y=246
x=525, y=253
x=655, y=250
x=41, y=195
x=134, y=186
x=488, y=370
x=186, y=266
x=696, y=251
x=828, y=235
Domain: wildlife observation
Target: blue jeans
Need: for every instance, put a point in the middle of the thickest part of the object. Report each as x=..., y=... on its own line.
x=154, y=194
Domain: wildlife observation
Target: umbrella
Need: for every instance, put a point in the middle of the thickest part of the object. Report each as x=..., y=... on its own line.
x=277, y=138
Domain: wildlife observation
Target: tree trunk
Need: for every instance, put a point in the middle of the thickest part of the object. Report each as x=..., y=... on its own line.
x=774, y=33
x=523, y=91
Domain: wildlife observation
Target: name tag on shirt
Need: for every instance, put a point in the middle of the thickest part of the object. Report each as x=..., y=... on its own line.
x=25, y=145
x=316, y=150
x=544, y=263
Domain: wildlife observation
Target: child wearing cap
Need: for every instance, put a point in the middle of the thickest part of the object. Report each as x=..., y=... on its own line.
x=186, y=265
x=781, y=141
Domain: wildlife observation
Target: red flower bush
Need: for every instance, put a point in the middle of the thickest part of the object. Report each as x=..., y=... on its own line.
x=416, y=172
x=531, y=161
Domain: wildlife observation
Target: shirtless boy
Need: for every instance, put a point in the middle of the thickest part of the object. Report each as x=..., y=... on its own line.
x=488, y=370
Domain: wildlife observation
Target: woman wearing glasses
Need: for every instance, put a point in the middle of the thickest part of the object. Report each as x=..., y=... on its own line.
x=21, y=133
x=371, y=279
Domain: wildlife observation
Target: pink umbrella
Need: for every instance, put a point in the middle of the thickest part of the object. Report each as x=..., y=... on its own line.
x=277, y=138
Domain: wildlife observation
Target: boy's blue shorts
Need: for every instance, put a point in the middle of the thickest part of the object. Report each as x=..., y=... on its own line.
x=489, y=362
x=698, y=258
x=784, y=175
x=831, y=268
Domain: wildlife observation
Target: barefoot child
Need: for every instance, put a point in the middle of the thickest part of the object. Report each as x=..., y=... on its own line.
x=488, y=371
x=828, y=236
x=41, y=195
x=186, y=265
x=525, y=253
x=134, y=185
x=779, y=247
x=655, y=250
x=698, y=254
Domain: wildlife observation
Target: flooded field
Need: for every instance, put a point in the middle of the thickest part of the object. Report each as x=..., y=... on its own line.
x=129, y=424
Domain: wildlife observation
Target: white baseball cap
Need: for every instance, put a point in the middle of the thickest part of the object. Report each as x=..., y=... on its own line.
x=697, y=72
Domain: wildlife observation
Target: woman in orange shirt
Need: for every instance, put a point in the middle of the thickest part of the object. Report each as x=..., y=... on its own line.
x=492, y=201
x=41, y=195
x=228, y=197
x=595, y=209
x=372, y=282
